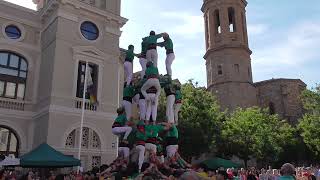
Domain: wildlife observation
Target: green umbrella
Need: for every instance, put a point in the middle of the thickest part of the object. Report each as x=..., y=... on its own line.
x=45, y=156
x=216, y=163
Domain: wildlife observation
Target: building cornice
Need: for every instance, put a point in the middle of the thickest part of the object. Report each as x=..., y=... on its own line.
x=261, y=83
x=206, y=3
x=222, y=47
x=109, y=16
x=20, y=20
x=227, y=82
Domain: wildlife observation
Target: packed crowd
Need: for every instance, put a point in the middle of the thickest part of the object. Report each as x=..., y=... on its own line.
x=120, y=169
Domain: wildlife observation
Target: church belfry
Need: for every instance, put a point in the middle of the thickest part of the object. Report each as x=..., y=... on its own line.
x=227, y=56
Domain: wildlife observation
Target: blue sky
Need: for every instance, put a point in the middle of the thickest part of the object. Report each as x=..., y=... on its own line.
x=284, y=36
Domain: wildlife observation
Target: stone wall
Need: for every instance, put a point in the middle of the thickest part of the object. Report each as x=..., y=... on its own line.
x=282, y=96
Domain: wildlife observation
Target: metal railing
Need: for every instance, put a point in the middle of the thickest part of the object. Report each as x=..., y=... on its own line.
x=87, y=105
x=13, y=104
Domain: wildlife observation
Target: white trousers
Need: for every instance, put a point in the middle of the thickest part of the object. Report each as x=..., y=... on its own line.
x=150, y=148
x=142, y=109
x=128, y=108
x=128, y=69
x=169, y=108
x=152, y=107
x=125, y=151
x=161, y=158
x=143, y=63
x=152, y=82
x=177, y=107
x=141, y=149
x=171, y=150
x=136, y=98
x=169, y=60
x=119, y=130
x=152, y=55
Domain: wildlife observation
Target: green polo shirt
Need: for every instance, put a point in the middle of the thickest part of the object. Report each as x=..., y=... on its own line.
x=152, y=39
x=121, y=119
x=168, y=44
x=173, y=132
x=152, y=71
x=152, y=131
x=129, y=55
x=144, y=47
x=140, y=136
x=128, y=91
x=178, y=95
x=169, y=89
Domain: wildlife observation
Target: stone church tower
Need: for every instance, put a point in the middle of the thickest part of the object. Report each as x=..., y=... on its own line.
x=228, y=61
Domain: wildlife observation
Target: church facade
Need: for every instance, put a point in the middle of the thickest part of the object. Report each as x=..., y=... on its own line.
x=228, y=65
x=42, y=65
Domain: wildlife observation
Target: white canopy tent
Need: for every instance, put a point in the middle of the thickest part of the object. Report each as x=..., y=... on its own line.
x=10, y=161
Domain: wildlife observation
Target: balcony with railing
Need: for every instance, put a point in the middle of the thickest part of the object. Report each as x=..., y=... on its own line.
x=87, y=105
x=13, y=104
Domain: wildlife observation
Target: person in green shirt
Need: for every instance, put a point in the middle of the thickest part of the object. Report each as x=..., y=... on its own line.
x=152, y=133
x=170, y=94
x=171, y=139
x=128, y=93
x=178, y=103
x=152, y=96
x=168, y=45
x=140, y=142
x=159, y=145
x=152, y=54
x=142, y=100
x=143, y=58
x=128, y=64
x=120, y=124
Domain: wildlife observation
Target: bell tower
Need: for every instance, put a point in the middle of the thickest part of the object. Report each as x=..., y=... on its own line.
x=228, y=61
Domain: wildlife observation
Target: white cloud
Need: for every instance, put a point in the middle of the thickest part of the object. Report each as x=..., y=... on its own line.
x=297, y=46
x=187, y=24
x=290, y=51
x=257, y=29
x=25, y=3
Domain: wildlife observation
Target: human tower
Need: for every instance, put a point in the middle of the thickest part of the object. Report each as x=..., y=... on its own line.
x=144, y=136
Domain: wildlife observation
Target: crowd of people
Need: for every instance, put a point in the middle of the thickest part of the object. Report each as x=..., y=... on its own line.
x=121, y=169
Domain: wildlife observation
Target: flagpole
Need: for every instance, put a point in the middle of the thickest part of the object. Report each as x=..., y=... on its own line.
x=82, y=113
x=117, y=142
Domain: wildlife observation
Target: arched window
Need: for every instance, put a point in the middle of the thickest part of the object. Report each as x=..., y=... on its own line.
x=13, y=75
x=217, y=23
x=272, y=109
x=219, y=69
x=90, y=139
x=9, y=143
x=232, y=19
x=237, y=68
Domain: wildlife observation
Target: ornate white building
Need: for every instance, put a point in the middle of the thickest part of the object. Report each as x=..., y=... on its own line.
x=42, y=65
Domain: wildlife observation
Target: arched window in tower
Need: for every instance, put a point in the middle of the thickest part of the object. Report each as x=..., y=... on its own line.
x=236, y=68
x=207, y=31
x=219, y=69
x=232, y=19
x=217, y=23
x=272, y=109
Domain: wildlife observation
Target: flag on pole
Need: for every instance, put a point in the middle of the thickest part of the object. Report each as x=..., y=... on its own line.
x=82, y=112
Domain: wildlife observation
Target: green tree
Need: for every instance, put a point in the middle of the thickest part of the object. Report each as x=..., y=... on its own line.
x=254, y=132
x=200, y=121
x=310, y=123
